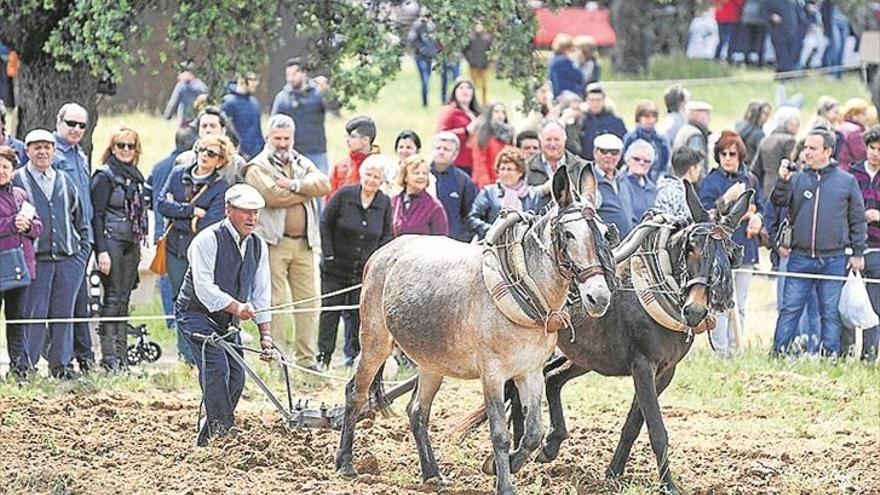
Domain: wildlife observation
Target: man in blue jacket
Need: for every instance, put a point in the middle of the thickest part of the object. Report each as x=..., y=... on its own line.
x=598, y=120
x=243, y=108
x=827, y=213
x=454, y=188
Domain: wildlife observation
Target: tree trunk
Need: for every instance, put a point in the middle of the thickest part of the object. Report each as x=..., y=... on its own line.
x=633, y=48
x=42, y=90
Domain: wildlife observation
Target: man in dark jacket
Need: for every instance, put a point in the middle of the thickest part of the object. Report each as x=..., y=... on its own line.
x=306, y=101
x=243, y=108
x=455, y=190
x=553, y=154
x=828, y=218
x=786, y=32
x=598, y=120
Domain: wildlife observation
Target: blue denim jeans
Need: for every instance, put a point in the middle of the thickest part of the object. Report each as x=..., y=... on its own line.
x=833, y=55
x=424, y=66
x=448, y=74
x=727, y=32
x=796, y=295
x=221, y=378
x=809, y=330
x=52, y=295
x=16, y=336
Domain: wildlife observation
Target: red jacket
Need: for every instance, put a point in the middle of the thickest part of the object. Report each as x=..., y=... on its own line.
x=346, y=172
x=728, y=11
x=454, y=119
x=483, y=173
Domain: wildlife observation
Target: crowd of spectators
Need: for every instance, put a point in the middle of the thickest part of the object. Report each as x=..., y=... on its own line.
x=323, y=223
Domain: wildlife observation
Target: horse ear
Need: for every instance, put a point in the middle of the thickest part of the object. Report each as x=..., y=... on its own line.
x=562, y=188
x=699, y=214
x=589, y=184
x=739, y=208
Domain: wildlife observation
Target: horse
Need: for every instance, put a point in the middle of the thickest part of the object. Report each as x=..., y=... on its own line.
x=627, y=341
x=425, y=293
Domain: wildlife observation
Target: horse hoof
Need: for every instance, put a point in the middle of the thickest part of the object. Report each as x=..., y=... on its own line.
x=544, y=457
x=347, y=471
x=613, y=474
x=489, y=466
x=438, y=481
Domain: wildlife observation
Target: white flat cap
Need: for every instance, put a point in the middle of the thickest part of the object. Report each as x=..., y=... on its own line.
x=696, y=105
x=38, y=135
x=245, y=197
x=607, y=142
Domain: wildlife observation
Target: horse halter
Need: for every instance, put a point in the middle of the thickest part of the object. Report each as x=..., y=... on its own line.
x=567, y=267
x=715, y=277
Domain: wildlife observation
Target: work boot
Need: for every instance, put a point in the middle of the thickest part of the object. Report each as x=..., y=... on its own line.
x=65, y=373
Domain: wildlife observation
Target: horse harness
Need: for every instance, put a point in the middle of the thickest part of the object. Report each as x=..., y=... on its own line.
x=506, y=274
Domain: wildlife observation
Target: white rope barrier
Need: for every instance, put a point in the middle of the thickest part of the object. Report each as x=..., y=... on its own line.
x=810, y=276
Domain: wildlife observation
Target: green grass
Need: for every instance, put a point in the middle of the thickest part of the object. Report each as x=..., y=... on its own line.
x=398, y=104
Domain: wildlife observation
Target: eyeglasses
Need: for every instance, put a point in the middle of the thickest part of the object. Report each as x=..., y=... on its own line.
x=122, y=146
x=729, y=153
x=211, y=153
x=608, y=152
x=73, y=123
x=640, y=160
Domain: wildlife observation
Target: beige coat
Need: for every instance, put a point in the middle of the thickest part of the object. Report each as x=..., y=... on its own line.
x=261, y=174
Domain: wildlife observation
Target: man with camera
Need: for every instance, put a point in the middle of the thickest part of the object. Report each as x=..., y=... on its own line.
x=827, y=219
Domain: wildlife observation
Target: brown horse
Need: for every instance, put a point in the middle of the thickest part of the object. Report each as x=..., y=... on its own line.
x=427, y=295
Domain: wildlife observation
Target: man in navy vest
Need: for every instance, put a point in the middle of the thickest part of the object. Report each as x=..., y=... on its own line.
x=227, y=282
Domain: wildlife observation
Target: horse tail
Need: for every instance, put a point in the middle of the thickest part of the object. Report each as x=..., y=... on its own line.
x=476, y=418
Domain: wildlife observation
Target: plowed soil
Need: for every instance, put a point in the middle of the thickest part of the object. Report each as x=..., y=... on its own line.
x=142, y=442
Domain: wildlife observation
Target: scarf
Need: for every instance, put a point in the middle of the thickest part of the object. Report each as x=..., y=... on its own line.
x=135, y=203
x=511, y=197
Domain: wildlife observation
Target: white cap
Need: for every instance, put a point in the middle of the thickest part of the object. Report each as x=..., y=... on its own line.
x=37, y=135
x=608, y=142
x=245, y=197
x=696, y=105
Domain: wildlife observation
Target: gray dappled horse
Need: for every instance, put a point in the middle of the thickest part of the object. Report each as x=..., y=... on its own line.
x=426, y=293
x=626, y=341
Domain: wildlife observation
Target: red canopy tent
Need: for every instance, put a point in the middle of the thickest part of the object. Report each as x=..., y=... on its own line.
x=574, y=21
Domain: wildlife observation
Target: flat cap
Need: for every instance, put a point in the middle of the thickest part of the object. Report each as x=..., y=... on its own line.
x=607, y=142
x=38, y=135
x=595, y=87
x=245, y=197
x=696, y=105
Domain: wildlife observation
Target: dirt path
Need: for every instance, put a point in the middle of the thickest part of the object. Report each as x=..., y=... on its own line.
x=143, y=443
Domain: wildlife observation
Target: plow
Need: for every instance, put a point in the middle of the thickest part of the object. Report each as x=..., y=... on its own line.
x=298, y=412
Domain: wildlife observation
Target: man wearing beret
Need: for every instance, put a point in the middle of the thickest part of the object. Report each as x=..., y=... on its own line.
x=227, y=282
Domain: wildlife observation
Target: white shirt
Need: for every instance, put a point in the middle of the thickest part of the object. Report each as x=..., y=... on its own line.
x=202, y=256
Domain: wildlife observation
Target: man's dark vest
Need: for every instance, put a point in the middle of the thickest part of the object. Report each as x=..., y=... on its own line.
x=232, y=273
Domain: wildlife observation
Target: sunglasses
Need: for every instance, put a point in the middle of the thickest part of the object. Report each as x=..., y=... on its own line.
x=122, y=146
x=73, y=123
x=211, y=153
x=640, y=160
x=729, y=153
x=608, y=152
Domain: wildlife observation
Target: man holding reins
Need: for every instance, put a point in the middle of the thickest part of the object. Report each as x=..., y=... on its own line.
x=227, y=282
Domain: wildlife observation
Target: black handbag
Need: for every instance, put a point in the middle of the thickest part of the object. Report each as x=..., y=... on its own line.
x=13, y=269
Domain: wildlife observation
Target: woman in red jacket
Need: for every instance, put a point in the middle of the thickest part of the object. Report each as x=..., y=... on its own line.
x=492, y=134
x=727, y=15
x=459, y=116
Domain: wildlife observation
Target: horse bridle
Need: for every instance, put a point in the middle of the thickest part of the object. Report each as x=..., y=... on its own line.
x=716, y=237
x=567, y=267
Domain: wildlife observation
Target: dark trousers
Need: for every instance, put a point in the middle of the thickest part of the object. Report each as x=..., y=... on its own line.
x=329, y=323
x=220, y=377
x=787, y=49
x=16, y=336
x=870, y=336
x=52, y=295
x=82, y=335
x=118, y=284
x=727, y=33
x=424, y=66
x=753, y=37
x=177, y=267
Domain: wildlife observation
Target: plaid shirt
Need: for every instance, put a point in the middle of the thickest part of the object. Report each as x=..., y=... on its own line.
x=871, y=195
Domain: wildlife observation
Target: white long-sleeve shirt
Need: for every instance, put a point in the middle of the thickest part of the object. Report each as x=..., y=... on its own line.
x=202, y=256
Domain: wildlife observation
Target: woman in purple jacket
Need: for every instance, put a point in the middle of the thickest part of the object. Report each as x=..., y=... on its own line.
x=16, y=229
x=415, y=211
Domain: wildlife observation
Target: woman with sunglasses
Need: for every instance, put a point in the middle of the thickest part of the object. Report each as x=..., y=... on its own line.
x=191, y=200
x=719, y=190
x=119, y=197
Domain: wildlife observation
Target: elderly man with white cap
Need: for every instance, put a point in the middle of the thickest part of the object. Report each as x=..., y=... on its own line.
x=695, y=134
x=227, y=282
x=59, y=267
x=616, y=205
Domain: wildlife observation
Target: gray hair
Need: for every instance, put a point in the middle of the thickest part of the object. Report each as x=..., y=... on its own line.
x=447, y=137
x=784, y=115
x=280, y=121
x=639, y=143
x=552, y=123
x=67, y=107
